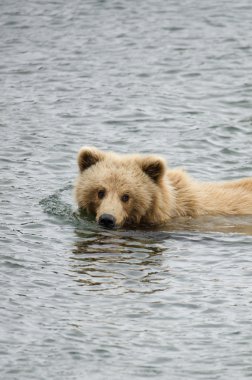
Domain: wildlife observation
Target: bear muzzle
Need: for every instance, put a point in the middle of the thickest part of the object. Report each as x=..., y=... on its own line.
x=107, y=220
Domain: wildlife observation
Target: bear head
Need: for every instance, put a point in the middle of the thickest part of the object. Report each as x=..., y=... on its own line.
x=119, y=189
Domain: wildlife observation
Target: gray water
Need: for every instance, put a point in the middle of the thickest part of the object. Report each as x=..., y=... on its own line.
x=167, y=77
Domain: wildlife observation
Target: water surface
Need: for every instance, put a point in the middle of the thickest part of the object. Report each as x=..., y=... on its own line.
x=167, y=77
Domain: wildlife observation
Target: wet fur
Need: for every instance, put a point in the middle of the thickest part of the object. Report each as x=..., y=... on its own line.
x=156, y=193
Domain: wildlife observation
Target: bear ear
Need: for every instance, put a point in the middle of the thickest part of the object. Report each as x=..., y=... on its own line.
x=153, y=166
x=89, y=156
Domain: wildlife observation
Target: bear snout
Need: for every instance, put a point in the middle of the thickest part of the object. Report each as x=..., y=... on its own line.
x=107, y=220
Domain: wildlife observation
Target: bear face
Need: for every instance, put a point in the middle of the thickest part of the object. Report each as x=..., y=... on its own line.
x=119, y=189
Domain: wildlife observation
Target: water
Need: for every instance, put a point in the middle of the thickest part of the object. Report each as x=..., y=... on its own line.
x=166, y=77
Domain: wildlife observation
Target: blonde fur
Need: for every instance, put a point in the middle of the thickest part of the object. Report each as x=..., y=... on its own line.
x=155, y=193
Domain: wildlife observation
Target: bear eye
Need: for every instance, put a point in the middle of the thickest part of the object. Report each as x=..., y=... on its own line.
x=101, y=194
x=125, y=197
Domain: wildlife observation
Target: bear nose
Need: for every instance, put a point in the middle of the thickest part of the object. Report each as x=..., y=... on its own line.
x=107, y=220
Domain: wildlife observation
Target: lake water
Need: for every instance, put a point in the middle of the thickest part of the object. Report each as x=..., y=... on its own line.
x=79, y=302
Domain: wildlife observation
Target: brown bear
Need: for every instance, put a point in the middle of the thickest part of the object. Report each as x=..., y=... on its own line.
x=132, y=189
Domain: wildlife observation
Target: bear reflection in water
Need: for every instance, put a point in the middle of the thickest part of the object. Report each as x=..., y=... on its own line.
x=131, y=262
